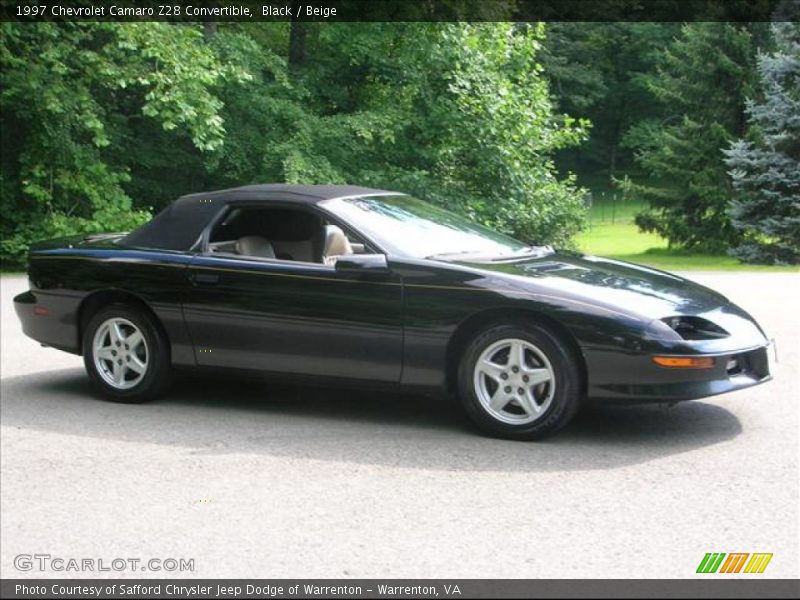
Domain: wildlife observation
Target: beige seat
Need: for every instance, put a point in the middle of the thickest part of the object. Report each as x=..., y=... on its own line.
x=254, y=245
x=336, y=244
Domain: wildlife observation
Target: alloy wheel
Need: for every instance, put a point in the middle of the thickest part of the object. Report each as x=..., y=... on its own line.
x=514, y=381
x=120, y=353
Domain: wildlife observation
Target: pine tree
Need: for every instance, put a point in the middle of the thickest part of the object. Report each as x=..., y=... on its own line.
x=766, y=169
x=704, y=79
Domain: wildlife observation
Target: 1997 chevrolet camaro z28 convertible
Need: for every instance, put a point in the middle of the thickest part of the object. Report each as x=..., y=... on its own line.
x=368, y=285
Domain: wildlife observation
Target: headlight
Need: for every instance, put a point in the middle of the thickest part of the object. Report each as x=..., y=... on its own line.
x=695, y=328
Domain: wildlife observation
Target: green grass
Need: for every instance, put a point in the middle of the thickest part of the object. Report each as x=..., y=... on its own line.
x=606, y=239
x=613, y=210
x=613, y=233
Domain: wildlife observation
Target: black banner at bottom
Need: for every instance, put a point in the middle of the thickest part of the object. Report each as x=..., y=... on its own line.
x=399, y=588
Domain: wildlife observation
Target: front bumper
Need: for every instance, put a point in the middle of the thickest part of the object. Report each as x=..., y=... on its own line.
x=616, y=375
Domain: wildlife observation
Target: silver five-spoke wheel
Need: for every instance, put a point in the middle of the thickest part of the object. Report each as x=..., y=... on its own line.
x=120, y=353
x=514, y=381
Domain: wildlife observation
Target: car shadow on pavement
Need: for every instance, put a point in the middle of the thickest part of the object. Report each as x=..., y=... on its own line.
x=210, y=415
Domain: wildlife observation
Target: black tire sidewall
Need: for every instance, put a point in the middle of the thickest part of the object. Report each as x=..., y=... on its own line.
x=567, y=381
x=157, y=376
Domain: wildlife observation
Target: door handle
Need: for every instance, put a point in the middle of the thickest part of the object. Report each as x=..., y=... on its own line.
x=205, y=278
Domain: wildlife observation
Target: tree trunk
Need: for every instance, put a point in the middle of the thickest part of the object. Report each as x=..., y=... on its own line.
x=612, y=163
x=297, y=43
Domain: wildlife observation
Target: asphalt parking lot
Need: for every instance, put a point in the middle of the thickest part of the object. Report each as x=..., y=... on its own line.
x=257, y=480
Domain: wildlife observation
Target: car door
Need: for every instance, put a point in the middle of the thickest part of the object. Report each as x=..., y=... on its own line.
x=296, y=317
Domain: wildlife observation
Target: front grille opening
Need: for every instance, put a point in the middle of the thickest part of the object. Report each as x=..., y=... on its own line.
x=734, y=365
x=753, y=364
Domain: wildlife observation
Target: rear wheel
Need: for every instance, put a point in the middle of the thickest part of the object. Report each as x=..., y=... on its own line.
x=519, y=381
x=125, y=354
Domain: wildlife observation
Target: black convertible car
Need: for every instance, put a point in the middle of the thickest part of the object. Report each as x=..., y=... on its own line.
x=369, y=285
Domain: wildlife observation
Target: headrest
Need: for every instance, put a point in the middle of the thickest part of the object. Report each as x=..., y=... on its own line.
x=254, y=245
x=336, y=242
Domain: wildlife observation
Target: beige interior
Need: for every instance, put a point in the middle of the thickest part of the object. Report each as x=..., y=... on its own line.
x=255, y=245
x=336, y=244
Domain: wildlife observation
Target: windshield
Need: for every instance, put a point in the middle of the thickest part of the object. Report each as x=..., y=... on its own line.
x=415, y=228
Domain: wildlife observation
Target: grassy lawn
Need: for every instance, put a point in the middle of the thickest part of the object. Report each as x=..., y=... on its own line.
x=612, y=233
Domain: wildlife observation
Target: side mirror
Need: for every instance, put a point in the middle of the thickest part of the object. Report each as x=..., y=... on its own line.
x=362, y=263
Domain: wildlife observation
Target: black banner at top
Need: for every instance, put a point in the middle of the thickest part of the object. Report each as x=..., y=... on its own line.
x=401, y=10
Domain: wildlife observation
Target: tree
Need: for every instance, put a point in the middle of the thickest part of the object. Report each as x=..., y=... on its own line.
x=108, y=120
x=80, y=102
x=766, y=167
x=595, y=71
x=458, y=114
x=490, y=130
x=704, y=78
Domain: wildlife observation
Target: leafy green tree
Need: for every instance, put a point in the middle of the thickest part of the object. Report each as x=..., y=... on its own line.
x=106, y=121
x=458, y=114
x=766, y=168
x=502, y=132
x=77, y=98
x=705, y=76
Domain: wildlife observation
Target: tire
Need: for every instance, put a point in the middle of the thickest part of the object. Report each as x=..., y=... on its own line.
x=144, y=362
x=508, y=400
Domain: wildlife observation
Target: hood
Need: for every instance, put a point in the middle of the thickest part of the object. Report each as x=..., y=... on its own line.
x=634, y=288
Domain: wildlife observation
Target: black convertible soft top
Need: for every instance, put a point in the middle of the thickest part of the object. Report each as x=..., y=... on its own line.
x=179, y=226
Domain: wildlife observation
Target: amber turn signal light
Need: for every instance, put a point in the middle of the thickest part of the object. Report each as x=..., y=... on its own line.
x=679, y=362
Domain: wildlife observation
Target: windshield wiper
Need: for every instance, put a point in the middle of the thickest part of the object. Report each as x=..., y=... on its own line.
x=526, y=252
x=449, y=254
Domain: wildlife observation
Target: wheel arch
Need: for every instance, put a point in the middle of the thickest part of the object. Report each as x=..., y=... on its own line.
x=101, y=298
x=479, y=321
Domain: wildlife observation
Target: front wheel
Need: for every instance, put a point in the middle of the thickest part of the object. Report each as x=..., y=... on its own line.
x=519, y=381
x=125, y=354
